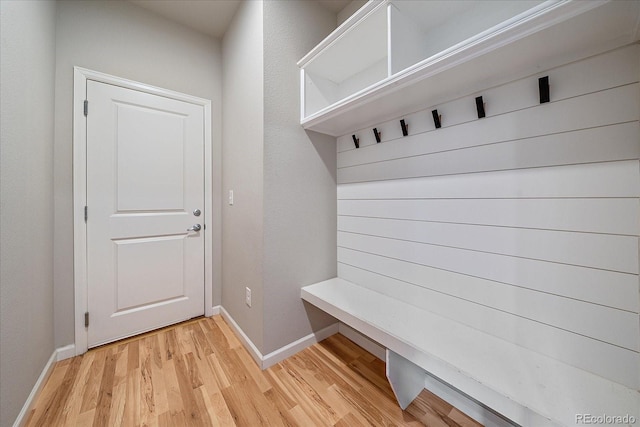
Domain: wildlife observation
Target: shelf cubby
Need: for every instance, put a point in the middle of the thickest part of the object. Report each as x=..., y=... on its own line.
x=393, y=57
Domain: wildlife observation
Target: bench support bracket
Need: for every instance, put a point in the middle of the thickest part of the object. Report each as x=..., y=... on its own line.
x=405, y=377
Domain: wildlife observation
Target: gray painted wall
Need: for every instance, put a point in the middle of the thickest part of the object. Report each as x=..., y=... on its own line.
x=280, y=234
x=299, y=178
x=279, y=244
x=242, y=156
x=349, y=10
x=27, y=69
x=125, y=40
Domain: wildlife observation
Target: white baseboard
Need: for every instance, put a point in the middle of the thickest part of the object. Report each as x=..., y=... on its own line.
x=282, y=353
x=58, y=354
x=244, y=339
x=65, y=352
x=290, y=349
x=35, y=391
x=215, y=310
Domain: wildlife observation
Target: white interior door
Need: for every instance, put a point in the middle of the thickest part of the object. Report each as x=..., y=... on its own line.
x=145, y=185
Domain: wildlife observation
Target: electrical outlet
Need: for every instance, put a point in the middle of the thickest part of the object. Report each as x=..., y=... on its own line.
x=247, y=296
x=230, y=197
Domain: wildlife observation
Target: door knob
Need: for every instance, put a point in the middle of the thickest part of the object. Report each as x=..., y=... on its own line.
x=196, y=227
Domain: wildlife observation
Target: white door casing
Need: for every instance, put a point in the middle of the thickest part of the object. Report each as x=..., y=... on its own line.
x=142, y=166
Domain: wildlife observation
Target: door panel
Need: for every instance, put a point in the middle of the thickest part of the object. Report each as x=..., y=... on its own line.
x=149, y=179
x=166, y=275
x=145, y=177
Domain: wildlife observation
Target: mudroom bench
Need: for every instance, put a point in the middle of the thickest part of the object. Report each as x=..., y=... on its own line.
x=522, y=385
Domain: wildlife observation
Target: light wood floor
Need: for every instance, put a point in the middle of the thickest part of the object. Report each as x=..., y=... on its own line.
x=198, y=374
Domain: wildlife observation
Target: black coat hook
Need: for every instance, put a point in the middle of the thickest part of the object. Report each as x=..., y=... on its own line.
x=377, y=134
x=480, y=107
x=405, y=128
x=436, y=119
x=356, y=141
x=543, y=87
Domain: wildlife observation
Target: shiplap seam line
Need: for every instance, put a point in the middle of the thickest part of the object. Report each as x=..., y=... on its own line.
x=496, y=309
x=369, y=199
x=514, y=227
x=483, y=252
x=472, y=250
x=509, y=184
x=484, y=171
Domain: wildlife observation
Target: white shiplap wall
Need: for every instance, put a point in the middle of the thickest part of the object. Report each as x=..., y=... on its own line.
x=523, y=224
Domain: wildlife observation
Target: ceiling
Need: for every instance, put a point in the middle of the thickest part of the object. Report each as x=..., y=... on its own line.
x=212, y=17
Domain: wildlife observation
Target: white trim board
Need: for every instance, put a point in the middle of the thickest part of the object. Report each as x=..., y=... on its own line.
x=80, y=77
x=244, y=339
x=66, y=352
x=35, y=391
x=299, y=345
x=270, y=359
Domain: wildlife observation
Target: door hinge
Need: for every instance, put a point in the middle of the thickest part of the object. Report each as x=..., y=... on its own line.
x=86, y=213
x=86, y=107
x=86, y=319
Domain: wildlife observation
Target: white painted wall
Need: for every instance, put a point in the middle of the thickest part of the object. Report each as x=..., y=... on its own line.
x=120, y=38
x=299, y=178
x=242, y=159
x=27, y=70
x=523, y=224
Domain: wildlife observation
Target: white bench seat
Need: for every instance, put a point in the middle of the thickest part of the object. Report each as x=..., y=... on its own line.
x=526, y=387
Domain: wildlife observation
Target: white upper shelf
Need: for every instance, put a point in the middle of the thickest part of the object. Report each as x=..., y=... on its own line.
x=394, y=57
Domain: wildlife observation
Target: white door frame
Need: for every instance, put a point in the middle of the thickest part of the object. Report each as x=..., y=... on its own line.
x=80, y=77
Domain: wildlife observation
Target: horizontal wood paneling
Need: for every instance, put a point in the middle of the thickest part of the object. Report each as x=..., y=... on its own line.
x=617, y=68
x=612, y=179
x=577, y=350
x=560, y=279
x=542, y=307
x=524, y=224
x=592, y=320
x=598, y=215
x=603, y=251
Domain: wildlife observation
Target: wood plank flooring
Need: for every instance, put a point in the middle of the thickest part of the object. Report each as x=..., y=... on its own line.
x=198, y=374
